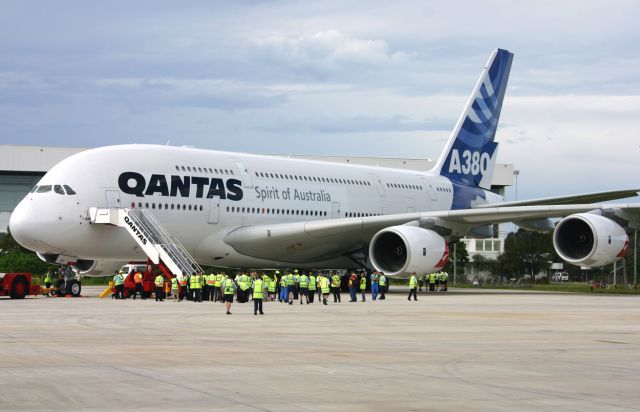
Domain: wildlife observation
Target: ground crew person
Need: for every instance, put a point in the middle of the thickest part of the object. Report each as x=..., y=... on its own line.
x=353, y=284
x=375, y=278
x=137, y=279
x=204, y=286
x=444, y=281
x=272, y=285
x=118, y=282
x=319, y=286
x=259, y=288
x=383, y=285
x=291, y=280
x=48, y=279
x=437, y=279
x=413, y=286
x=210, y=281
x=196, y=287
x=243, y=284
x=311, y=293
x=283, y=289
x=228, y=289
x=432, y=282
x=296, y=284
x=183, y=286
x=335, y=287
x=363, y=285
x=324, y=288
x=174, y=288
x=303, y=281
x=218, y=287
x=422, y=281
x=159, y=282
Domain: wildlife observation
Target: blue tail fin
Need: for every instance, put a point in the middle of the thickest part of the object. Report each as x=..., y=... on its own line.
x=470, y=155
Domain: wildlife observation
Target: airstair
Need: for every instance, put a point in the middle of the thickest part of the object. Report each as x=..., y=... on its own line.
x=160, y=247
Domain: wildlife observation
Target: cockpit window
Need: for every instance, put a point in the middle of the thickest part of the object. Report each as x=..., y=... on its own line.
x=34, y=189
x=58, y=189
x=44, y=189
x=69, y=190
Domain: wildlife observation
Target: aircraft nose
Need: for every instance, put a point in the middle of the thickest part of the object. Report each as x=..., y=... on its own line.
x=23, y=226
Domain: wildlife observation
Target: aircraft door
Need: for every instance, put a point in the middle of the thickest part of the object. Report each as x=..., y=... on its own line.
x=214, y=210
x=335, y=210
x=247, y=181
x=430, y=190
x=378, y=184
x=113, y=198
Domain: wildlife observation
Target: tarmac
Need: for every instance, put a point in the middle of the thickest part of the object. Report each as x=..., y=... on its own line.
x=461, y=350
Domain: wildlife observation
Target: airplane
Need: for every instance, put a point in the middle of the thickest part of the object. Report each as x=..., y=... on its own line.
x=241, y=210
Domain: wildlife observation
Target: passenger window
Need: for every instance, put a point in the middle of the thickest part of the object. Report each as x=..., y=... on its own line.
x=44, y=189
x=34, y=189
x=58, y=189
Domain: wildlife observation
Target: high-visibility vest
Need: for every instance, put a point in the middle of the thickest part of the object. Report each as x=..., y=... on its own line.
x=211, y=280
x=432, y=278
x=137, y=277
x=159, y=281
x=183, y=281
x=304, y=282
x=174, y=284
x=324, y=285
x=257, y=288
x=312, y=282
x=194, y=282
x=283, y=281
x=383, y=280
x=228, y=287
x=363, y=283
x=412, y=281
x=47, y=278
x=375, y=278
x=290, y=279
x=335, y=281
x=117, y=280
x=272, y=285
x=244, y=282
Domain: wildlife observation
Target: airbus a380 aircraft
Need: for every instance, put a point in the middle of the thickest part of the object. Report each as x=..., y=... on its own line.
x=241, y=210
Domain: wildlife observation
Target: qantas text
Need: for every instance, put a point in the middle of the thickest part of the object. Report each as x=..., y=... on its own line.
x=134, y=183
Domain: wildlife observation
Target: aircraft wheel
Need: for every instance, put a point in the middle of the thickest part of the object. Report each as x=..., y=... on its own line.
x=74, y=287
x=19, y=288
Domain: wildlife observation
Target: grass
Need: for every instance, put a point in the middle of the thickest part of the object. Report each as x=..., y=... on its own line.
x=574, y=287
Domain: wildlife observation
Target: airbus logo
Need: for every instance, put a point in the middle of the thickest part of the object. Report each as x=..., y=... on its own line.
x=134, y=183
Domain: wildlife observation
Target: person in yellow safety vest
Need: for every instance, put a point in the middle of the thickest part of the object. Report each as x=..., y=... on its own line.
x=325, y=288
x=244, y=285
x=413, y=286
x=159, y=282
x=291, y=281
x=211, y=283
x=272, y=285
x=217, y=282
x=335, y=287
x=118, y=282
x=183, y=287
x=137, y=279
x=174, y=288
x=319, y=286
x=196, y=286
x=383, y=285
x=296, y=284
x=259, y=288
x=283, y=295
x=48, y=279
x=228, y=289
x=432, y=282
x=444, y=281
x=363, y=286
x=312, y=288
x=303, y=281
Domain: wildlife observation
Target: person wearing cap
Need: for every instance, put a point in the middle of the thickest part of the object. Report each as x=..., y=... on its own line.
x=228, y=289
x=259, y=288
x=383, y=285
x=118, y=281
x=413, y=286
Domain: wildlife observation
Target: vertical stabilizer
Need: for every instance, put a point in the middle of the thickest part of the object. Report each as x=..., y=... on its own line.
x=470, y=154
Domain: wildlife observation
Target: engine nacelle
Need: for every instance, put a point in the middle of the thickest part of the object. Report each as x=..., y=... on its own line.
x=585, y=239
x=402, y=250
x=84, y=267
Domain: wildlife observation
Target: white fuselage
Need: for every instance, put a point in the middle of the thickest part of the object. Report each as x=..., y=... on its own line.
x=224, y=191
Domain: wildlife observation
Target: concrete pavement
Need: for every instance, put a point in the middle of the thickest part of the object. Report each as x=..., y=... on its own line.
x=465, y=350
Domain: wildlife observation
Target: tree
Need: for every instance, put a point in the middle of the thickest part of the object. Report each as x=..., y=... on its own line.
x=526, y=252
x=461, y=258
x=15, y=258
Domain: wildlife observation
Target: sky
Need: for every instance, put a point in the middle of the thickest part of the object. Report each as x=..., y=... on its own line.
x=352, y=78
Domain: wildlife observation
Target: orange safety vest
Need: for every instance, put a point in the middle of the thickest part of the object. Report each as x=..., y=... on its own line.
x=137, y=277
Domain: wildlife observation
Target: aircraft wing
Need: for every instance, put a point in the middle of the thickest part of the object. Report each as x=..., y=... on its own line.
x=318, y=240
x=582, y=198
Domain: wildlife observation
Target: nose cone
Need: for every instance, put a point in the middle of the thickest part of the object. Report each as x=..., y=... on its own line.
x=23, y=226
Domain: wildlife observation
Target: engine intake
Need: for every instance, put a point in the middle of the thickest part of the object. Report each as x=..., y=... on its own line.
x=590, y=240
x=402, y=250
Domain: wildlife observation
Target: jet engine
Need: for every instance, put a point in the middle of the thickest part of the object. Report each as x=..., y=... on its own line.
x=402, y=250
x=590, y=240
